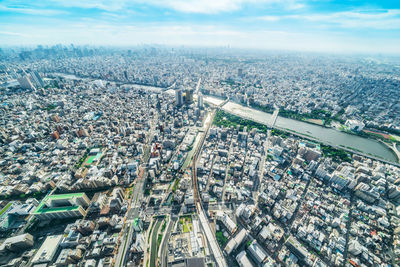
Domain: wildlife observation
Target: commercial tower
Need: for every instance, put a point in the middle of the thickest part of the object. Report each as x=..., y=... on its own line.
x=200, y=100
x=189, y=96
x=25, y=82
x=178, y=97
x=37, y=80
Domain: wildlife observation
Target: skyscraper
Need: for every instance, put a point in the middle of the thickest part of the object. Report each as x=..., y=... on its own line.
x=240, y=73
x=189, y=96
x=178, y=97
x=200, y=101
x=26, y=83
x=37, y=80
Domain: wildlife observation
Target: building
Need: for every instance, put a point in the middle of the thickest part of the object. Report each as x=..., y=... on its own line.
x=48, y=250
x=240, y=72
x=116, y=200
x=243, y=260
x=189, y=96
x=200, y=101
x=235, y=242
x=62, y=206
x=140, y=244
x=68, y=257
x=355, y=248
x=355, y=125
x=227, y=221
x=178, y=98
x=297, y=249
x=257, y=252
x=25, y=83
x=18, y=243
x=37, y=79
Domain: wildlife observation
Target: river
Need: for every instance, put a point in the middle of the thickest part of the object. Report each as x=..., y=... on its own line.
x=323, y=134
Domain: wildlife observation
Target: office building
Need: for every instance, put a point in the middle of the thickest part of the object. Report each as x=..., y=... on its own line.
x=178, y=98
x=37, y=79
x=25, y=83
x=189, y=96
x=200, y=101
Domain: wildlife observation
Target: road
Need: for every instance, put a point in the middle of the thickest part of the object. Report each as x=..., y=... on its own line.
x=136, y=198
x=227, y=170
x=274, y=117
x=261, y=168
x=393, y=147
x=212, y=241
x=164, y=245
x=153, y=248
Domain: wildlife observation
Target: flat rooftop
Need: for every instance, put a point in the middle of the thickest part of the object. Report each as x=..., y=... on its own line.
x=42, y=209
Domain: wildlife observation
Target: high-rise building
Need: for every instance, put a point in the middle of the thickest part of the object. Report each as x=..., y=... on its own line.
x=189, y=96
x=37, y=80
x=25, y=82
x=178, y=97
x=240, y=72
x=200, y=100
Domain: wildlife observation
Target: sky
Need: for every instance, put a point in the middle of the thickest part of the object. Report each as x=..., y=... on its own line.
x=307, y=25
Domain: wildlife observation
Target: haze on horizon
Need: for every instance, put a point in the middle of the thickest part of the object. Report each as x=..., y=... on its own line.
x=322, y=26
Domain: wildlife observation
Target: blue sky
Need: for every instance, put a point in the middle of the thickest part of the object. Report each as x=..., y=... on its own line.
x=309, y=25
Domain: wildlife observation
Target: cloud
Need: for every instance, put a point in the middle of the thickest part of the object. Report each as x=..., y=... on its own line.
x=219, y=6
x=270, y=18
x=107, y=5
x=12, y=33
x=381, y=19
x=184, y=6
x=32, y=11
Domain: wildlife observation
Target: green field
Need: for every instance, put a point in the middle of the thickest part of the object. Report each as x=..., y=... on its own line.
x=5, y=208
x=90, y=160
x=186, y=222
x=221, y=239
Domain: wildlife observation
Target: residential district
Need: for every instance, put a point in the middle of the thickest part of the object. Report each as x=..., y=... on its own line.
x=117, y=158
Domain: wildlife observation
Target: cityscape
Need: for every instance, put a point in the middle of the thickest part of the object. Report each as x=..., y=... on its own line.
x=177, y=152
x=103, y=166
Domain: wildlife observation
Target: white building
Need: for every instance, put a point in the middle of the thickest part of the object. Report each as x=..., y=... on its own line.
x=243, y=260
x=235, y=241
x=48, y=249
x=355, y=125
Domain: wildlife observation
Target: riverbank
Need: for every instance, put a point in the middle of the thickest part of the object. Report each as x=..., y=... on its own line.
x=352, y=143
x=75, y=77
x=329, y=148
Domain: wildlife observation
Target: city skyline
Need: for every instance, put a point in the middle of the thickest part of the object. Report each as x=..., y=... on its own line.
x=327, y=26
